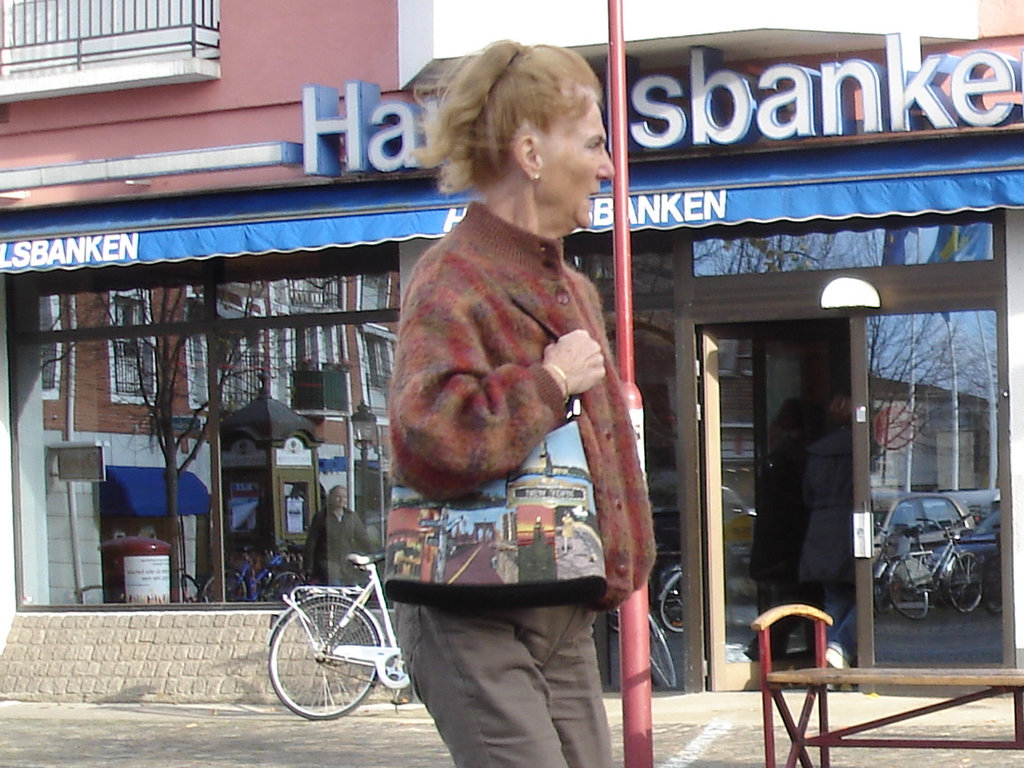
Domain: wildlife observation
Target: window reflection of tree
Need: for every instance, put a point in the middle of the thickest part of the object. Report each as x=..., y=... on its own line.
x=937, y=371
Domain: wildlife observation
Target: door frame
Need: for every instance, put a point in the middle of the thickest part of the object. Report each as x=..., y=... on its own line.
x=794, y=296
x=733, y=675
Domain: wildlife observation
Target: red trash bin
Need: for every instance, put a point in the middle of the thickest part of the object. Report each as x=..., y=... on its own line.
x=136, y=569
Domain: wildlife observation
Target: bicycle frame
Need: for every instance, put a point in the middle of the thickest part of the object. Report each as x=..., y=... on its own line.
x=941, y=560
x=255, y=582
x=387, y=659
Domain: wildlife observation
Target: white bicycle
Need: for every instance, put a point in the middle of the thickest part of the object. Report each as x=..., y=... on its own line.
x=327, y=651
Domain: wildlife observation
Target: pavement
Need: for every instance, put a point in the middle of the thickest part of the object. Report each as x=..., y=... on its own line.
x=710, y=730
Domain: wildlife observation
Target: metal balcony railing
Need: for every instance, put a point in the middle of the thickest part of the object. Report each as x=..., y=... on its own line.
x=68, y=35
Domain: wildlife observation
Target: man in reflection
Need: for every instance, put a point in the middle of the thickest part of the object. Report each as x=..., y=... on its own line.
x=779, y=531
x=334, y=533
x=827, y=556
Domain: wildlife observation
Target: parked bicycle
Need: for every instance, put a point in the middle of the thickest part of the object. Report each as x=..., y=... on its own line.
x=328, y=651
x=894, y=547
x=663, y=668
x=669, y=601
x=188, y=589
x=948, y=571
x=273, y=580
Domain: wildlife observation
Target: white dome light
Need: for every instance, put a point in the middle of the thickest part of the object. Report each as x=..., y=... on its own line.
x=849, y=292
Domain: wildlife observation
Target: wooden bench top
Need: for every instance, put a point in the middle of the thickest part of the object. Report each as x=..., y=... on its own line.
x=960, y=677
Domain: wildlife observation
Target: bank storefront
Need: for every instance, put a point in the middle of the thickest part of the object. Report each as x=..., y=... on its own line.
x=202, y=371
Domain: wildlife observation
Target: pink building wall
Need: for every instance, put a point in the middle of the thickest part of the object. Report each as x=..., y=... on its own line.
x=269, y=50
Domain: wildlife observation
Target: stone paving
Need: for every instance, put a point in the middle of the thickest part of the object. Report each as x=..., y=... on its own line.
x=709, y=730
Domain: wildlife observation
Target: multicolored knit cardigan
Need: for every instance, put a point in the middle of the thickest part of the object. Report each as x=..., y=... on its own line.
x=470, y=398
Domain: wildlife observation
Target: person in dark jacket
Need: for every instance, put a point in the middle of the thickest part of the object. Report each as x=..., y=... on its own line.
x=827, y=555
x=334, y=534
x=779, y=531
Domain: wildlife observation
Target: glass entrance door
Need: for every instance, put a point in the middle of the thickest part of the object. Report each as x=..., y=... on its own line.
x=765, y=391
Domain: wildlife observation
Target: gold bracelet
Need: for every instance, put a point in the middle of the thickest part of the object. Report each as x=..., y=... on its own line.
x=560, y=372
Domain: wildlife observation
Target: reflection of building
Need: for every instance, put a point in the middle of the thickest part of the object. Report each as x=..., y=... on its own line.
x=270, y=473
x=182, y=242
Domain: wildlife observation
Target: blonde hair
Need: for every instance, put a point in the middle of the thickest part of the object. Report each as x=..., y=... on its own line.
x=489, y=97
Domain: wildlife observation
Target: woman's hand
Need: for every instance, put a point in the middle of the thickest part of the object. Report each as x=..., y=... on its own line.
x=575, y=361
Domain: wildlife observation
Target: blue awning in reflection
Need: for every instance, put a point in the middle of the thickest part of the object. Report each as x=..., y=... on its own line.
x=142, y=491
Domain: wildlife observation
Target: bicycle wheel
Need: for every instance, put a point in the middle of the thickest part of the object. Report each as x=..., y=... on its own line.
x=307, y=679
x=883, y=590
x=963, y=582
x=189, y=590
x=663, y=669
x=910, y=596
x=282, y=584
x=236, y=590
x=670, y=603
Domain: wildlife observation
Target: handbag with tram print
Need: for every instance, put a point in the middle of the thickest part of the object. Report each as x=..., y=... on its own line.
x=525, y=540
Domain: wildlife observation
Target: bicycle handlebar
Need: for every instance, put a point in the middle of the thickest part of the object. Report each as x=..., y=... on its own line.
x=364, y=560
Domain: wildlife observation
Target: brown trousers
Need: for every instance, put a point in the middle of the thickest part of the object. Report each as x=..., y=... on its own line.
x=509, y=689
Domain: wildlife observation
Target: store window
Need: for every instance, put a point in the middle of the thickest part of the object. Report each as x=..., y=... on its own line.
x=49, y=312
x=654, y=336
x=934, y=393
x=146, y=373
x=844, y=249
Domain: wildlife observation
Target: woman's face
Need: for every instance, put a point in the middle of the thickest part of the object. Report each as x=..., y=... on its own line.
x=574, y=162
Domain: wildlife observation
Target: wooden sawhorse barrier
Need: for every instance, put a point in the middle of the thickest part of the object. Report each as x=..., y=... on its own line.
x=977, y=683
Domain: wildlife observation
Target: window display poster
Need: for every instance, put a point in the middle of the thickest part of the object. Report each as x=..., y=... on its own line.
x=295, y=507
x=147, y=579
x=242, y=505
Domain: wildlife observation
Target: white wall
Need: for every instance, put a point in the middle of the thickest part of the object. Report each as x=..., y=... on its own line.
x=442, y=29
x=1015, y=330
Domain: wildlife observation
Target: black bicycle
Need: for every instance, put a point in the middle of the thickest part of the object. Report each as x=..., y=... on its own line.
x=949, y=571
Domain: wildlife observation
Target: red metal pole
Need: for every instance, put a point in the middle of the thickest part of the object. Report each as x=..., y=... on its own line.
x=634, y=641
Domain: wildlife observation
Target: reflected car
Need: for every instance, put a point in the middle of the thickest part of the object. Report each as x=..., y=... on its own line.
x=983, y=543
x=738, y=517
x=738, y=534
x=931, y=512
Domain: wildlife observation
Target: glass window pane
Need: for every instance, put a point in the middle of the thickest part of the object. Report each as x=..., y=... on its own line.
x=934, y=470
x=308, y=295
x=843, y=249
x=123, y=308
x=97, y=531
x=143, y=394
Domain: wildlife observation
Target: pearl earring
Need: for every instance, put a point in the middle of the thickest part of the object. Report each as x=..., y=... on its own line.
x=536, y=177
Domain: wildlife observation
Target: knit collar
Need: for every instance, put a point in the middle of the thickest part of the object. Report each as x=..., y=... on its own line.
x=504, y=240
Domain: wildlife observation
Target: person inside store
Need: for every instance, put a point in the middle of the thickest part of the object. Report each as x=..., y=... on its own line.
x=779, y=530
x=334, y=533
x=827, y=555
x=497, y=332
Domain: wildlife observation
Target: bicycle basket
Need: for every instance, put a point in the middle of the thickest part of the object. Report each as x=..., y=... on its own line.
x=917, y=571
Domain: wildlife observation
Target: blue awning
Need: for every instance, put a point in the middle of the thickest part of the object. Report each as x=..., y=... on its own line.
x=905, y=178
x=897, y=177
x=141, y=492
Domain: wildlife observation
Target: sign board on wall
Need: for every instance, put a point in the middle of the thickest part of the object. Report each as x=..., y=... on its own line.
x=715, y=105
x=83, y=463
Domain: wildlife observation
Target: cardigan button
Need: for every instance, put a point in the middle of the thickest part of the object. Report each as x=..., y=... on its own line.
x=562, y=297
x=622, y=569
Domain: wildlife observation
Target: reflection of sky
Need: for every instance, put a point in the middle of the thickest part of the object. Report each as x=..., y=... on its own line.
x=926, y=345
x=818, y=251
